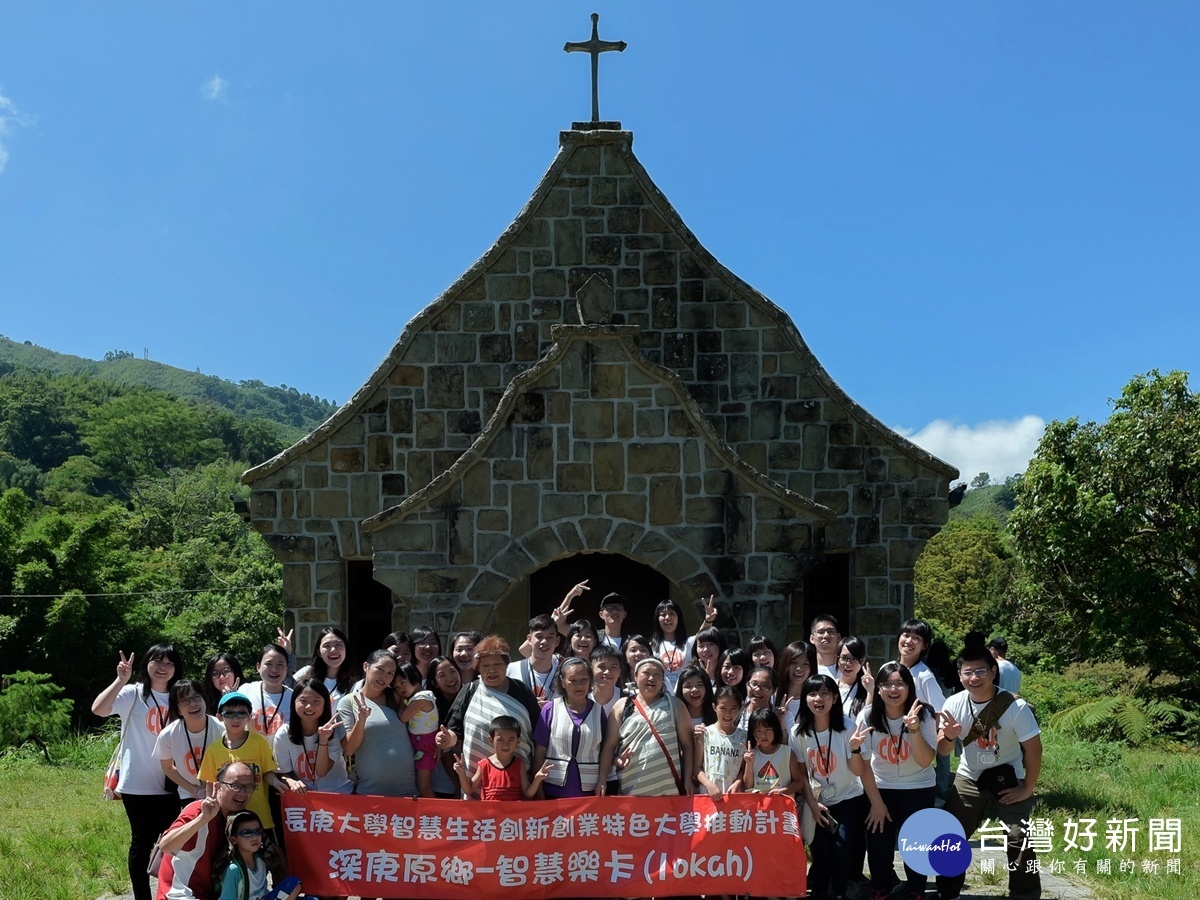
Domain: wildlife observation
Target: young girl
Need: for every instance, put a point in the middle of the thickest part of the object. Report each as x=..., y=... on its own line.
x=635, y=650
x=719, y=760
x=900, y=751
x=246, y=877
x=581, y=639
x=426, y=646
x=770, y=765
x=271, y=698
x=180, y=746
x=837, y=777
x=760, y=688
x=710, y=644
x=797, y=662
x=669, y=640
x=695, y=690
x=331, y=663
x=418, y=710
x=150, y=803
x=222, y=675
x=501, y=776
x=735, y=664
x=762, y=651
x=309, y=748
x=855, y=683
x=444, y=682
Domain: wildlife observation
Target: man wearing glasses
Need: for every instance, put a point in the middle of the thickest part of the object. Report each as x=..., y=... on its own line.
x=999, y=768
x=192, y=842
x=824, y=638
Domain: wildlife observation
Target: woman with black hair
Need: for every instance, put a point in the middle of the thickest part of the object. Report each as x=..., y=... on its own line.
x=900, y=751
x=151, y=800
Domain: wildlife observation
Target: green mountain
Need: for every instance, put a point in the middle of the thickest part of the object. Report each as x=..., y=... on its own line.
x=298, y=413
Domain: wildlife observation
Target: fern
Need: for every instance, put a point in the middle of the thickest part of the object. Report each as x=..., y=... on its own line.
x=1121, y=717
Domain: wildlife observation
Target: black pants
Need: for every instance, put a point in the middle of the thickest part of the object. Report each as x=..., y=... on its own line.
x=831, y=851
x=881, y=845
x=149, y=816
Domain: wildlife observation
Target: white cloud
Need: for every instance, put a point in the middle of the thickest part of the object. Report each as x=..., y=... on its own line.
x=10, y=117
x=998, y=448
x=214, y=88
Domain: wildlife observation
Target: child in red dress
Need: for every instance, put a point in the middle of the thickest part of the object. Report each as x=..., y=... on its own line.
x=501, y=776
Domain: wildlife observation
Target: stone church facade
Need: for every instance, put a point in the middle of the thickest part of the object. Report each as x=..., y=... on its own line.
x=596, y=389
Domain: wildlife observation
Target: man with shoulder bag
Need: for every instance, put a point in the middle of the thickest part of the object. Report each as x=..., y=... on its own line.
x=998, y=772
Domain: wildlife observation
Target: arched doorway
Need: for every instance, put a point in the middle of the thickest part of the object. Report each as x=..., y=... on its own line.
x=642, y=585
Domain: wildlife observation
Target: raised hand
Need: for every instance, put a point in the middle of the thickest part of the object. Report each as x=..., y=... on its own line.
x=460, y=766
x=563, y=611
x=951, y=728
x=362, y=710
x=860, y=735
x=868, y=680
x=124, y=667
x=748, y=756
x=285, y=640
x=710, y=609
x=209, y=805
x=325, y=732
x=445, y=738
x=912, y=718
x=543, y=773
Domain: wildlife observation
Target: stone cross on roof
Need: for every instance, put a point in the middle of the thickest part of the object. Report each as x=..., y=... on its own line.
x=595, y=47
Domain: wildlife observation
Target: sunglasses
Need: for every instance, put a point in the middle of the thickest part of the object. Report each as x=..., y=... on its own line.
x=249, y=832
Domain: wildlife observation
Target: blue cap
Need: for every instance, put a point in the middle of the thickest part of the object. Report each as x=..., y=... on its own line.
x=233, y=695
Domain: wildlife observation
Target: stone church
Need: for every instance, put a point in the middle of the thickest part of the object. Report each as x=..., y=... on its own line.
x=599, y=398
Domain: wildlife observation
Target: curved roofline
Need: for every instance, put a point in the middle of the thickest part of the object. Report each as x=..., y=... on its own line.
x=564, y=336
x=568, y=142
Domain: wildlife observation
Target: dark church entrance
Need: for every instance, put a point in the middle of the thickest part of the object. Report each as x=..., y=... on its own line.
x=644, y=587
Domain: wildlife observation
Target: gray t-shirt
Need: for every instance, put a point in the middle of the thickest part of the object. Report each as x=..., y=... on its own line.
x=384, y=759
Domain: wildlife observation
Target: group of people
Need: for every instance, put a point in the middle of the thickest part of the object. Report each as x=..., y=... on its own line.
x=579, y=710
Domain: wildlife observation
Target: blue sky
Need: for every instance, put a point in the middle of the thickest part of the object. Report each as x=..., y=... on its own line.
x=981, y=216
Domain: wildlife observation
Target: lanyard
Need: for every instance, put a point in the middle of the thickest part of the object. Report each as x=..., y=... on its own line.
x=262, y=701
x=203, y=747
x=824, y=755
x=539, y=689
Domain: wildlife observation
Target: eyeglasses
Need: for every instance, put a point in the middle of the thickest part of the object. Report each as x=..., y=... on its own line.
x=238, y=788
x=974, y=673
x=249, y=832
x=222, y=673
x=893, y=686
x=846, y=660
x=235, y=714
x=427, y=644
x=826, y=631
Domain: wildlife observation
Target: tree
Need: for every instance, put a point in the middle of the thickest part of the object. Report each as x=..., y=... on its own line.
x=31, y=710
x=962, y=574
x=1107, y=527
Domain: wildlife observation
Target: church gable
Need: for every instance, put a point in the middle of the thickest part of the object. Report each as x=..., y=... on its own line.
x=599, y=246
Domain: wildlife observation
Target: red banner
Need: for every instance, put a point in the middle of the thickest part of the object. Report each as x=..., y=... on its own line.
x=347, y=845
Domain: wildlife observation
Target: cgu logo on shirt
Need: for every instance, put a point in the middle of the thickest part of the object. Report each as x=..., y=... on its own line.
x=156, y=718
x=266, y=721
x=306, y=766
x=192, y=760
x=821, y=761
x=894, y=749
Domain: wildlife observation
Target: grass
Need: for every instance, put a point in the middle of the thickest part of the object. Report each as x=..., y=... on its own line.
x=1103, y=781
x=60, y=841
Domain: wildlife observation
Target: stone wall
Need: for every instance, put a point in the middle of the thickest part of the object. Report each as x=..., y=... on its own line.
x=735, y=361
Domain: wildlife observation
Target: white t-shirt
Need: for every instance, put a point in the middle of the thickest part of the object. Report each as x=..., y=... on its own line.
x=890, y=753
x=772, y=770
x=186, y=748
x=1004, y=741
x=541, y=683
x=723, y=755
x=826, y=756
x=929, y=691
x=301, y=761
x=269, y=712
x=1010, y=677
x=142, y=719
x=674, y=657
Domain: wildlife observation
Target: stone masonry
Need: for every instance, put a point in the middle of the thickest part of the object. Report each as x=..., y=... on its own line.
x=598, y=382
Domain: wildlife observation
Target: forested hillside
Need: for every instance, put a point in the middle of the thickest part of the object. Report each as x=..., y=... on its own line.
x=294, y=412
x=117, y=520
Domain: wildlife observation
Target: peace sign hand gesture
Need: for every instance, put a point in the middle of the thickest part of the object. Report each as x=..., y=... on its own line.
x=563, y=611
x=951, y=728
x=325, y=732
x=124, y=668
x=285, y=640
x=623, y=760
x=710, y=609
x=860, y=735
x=748, y=756
x=209, y=805
x=868, y=680
x=912, y=719
x=362, y=709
